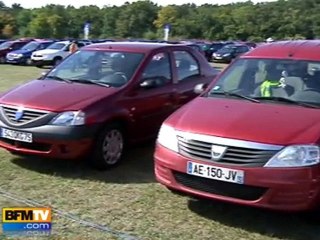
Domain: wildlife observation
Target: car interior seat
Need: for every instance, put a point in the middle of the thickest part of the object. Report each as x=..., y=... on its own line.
x=275, y=75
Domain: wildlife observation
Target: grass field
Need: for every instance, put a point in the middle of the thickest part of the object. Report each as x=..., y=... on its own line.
x=127, y=201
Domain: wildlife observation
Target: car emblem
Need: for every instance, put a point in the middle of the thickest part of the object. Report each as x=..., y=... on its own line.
x=19, y=114
x=217, y=152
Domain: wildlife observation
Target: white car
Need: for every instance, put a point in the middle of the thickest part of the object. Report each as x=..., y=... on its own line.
x=53, y=54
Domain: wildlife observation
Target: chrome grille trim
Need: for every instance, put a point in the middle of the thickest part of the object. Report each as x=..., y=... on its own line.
x=29, y=115
x=197, y=146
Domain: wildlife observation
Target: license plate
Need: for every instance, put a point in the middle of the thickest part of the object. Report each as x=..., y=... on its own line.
x=16, y=135
x=217, y=173
x=218, y=57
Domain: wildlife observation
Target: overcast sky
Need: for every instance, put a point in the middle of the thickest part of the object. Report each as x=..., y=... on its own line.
x=101, y=3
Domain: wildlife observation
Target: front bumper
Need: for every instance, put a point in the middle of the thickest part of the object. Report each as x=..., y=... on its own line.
x=41, y=62
x=16, y=60
x=287, y=189
x=50, y=141
x=222, y=60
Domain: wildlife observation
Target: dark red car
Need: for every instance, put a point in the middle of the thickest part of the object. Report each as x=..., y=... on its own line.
x=101, y=98
x=9, y=46
x=253, y=136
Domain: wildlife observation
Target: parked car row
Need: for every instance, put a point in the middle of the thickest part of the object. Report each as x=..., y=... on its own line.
x=38, y=52
x=248, y=135
x=41, y=52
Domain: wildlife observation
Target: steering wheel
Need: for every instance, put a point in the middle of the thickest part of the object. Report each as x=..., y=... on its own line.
x=116, y=79
x=122, y=75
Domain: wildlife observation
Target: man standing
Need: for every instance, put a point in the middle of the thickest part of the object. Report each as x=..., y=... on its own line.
x=73, y=47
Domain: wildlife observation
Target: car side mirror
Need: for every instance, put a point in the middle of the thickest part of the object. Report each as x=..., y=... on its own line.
x=153, y=82
x=200, y=88
x=148, y=83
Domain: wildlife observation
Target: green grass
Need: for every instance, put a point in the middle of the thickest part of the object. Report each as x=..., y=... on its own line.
x=127, y=198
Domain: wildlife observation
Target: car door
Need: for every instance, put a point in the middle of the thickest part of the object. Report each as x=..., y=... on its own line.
x=153, y=98
x=188, y=74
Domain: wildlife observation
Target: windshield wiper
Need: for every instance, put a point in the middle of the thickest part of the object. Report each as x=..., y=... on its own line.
x=287, y=100
x=233, y=94
x=90, y=82
x=59, y=79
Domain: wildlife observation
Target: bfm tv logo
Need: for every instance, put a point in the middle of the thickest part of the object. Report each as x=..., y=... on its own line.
x=29, y=221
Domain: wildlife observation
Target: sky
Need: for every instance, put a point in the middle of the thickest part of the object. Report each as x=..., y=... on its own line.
x=101, y=3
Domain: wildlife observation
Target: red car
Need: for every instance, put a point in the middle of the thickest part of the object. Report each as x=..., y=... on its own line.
x=252, y=137
x=99, y=99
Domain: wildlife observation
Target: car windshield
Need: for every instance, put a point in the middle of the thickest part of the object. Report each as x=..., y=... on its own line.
x=226, y=49
x=57, y=46
x=5, y=45
x=31, y=46
x=110, y=68
x=216, y=46
x=272, y=80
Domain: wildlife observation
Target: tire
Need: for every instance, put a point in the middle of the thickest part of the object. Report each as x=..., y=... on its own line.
x=28, y=62
x=109, y=148
x=56, y=61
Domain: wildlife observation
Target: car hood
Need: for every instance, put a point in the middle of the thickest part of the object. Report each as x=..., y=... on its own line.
x=269, y=123
x=55, y=95
x=46, y=51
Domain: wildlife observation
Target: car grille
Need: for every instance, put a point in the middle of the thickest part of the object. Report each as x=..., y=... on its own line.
x=201, y=150
x=226, y=189
x=28, y=115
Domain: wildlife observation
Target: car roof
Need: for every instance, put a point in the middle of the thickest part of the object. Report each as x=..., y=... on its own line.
x=129, y=46
x=297, y=49
x=64, y=42
x=42, y=41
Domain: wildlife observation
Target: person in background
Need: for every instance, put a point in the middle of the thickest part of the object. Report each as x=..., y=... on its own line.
x=73, y=47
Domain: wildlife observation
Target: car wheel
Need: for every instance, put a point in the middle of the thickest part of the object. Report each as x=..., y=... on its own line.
x=2, y=60
x=109, y=148
x=28, y=62
x=56, y=61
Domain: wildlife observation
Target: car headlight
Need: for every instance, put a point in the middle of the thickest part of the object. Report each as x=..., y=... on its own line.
x=296, y=156
x=226, y=54
x=19, y=55
x=72, y=118
x=167, y=137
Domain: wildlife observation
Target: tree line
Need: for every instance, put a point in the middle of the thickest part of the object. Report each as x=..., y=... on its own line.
x=283, y=19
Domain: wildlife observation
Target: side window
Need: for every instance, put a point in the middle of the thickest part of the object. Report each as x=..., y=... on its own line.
x=158, y=67
x=186, y=65
x=42, y=46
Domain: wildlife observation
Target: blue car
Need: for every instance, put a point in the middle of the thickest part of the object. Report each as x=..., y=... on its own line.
x=23, y=55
